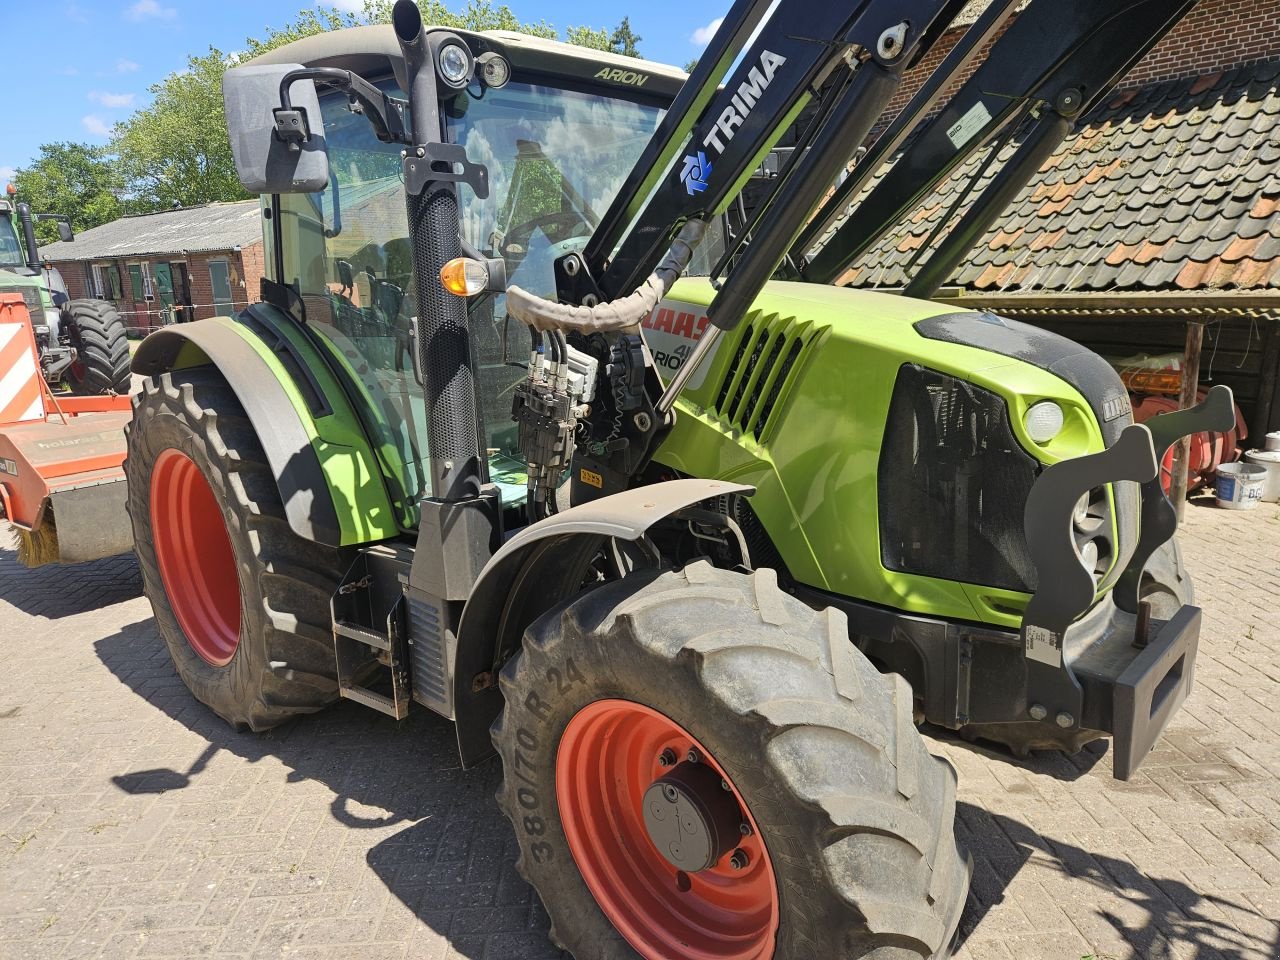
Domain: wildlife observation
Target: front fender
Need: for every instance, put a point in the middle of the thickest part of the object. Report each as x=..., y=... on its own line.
x=535, y=570
x=326, y=470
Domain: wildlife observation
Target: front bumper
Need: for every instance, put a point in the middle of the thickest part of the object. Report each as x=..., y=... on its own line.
x=1131, y=691
x=974, y=679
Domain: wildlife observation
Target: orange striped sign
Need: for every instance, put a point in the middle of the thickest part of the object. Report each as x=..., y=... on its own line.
x=20, y=396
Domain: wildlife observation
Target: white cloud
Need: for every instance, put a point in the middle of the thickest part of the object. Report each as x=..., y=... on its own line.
x=8, y=173
x=96, y=125
x=150, y=10
x=113, y=101
x=125, y=66
x=702, y=36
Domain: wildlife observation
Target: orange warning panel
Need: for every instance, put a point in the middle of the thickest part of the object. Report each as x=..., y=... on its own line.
x=60, y=457
x=21, y=387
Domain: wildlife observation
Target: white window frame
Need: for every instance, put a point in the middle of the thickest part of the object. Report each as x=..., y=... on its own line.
x=98, y=280
x=148, y=291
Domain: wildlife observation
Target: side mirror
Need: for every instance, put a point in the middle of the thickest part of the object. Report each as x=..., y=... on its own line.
x=65, y=233
x=278, y=147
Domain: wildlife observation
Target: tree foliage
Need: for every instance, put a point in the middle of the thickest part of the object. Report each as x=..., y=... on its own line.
x=175, y=151
x=73, y=179
x=623, y=40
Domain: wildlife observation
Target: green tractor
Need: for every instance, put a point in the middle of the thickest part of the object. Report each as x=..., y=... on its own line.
x=694, y=557
x=82, y=343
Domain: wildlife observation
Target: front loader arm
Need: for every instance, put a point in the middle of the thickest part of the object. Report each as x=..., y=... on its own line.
x=1055, y=62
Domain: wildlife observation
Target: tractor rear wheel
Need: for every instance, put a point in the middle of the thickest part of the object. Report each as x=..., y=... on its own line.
x=698, y=765
x=102, y=347
x=241, y=601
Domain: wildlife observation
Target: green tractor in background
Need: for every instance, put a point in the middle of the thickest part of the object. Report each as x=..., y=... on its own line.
x=697, y=618
x=82, y=343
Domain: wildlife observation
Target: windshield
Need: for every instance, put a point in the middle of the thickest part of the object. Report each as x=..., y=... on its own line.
x=555, y=157
x=10, y=249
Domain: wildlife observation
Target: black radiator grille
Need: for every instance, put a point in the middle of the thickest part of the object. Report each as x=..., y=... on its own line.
x=764, y=365
x=953, y=483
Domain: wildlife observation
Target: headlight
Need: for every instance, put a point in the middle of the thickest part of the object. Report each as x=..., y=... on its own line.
x=494, y=69
x=455, y=64
x=1043, y=421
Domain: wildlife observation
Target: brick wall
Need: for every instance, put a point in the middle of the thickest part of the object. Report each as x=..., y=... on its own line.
x=1216, y=35
x=245, y=268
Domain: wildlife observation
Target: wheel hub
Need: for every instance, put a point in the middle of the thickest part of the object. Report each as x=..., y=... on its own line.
x=692, y=818
x=663, y=838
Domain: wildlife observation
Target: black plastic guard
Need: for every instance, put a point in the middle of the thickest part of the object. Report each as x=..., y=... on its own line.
x=1066, y=590
x=1151, y=689
x=1159, y=518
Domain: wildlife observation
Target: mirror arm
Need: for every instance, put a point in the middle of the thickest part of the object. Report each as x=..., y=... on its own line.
x=386, y=114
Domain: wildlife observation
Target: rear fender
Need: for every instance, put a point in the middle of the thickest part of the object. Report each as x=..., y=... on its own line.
x=326, y=470
x=534, y=571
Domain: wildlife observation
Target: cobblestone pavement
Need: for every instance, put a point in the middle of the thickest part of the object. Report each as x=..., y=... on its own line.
x=134, y=823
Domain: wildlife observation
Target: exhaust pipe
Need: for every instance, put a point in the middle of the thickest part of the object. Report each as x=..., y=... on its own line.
x=444, y=345
x=406, y=20
x=29, y=236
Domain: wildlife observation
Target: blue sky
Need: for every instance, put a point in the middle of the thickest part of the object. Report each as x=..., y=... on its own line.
x=75, y=67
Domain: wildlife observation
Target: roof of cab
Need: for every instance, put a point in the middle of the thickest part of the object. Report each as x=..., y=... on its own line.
x=371, y=49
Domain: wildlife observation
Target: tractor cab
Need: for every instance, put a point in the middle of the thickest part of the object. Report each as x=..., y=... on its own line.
x=557, y=128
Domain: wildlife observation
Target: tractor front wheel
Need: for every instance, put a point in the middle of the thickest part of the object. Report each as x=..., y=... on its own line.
x=699, y=766
x=102, y=348
x=241, y=601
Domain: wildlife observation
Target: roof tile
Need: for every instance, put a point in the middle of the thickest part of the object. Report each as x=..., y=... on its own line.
x=1170, y=186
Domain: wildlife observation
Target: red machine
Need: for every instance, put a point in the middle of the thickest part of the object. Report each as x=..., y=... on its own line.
x=61, y=482
x=1154, y=384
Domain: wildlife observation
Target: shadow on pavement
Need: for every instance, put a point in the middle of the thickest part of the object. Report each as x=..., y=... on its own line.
x=1049, y=763
x=1163, y=916
x=56, y=591
x=453, y=861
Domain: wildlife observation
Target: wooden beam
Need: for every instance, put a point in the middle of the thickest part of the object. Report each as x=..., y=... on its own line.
x=1265, y=301
x=1266, y=416
x=1187, y=398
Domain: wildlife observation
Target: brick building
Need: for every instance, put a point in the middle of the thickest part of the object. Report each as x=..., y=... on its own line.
x=1156, y=224
x=184, y=264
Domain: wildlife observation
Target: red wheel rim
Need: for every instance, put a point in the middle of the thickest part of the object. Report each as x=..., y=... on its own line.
x=607, y=758
x=195, y=558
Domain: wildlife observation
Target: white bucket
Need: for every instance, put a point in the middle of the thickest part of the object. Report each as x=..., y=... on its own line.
x=1240, y=485
x=1271, y=441
x=1269, y=460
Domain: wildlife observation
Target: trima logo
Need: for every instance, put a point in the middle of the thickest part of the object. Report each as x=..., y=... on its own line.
x=695, y=173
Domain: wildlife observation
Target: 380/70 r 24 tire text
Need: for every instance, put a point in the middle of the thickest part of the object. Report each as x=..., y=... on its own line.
x=823, y=829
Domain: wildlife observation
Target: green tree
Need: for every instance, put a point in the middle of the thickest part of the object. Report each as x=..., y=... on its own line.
x=74, y=179
x=588, y=37
x=476, y=15
x=176, y=150
x=624, y=41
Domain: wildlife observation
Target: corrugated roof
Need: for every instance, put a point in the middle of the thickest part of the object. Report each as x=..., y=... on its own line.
x=214, y=226
x=1174, y=186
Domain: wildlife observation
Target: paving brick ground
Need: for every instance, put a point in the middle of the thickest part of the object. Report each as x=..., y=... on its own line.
x=134, y=823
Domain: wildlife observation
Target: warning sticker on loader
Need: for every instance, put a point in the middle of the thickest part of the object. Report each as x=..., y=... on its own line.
x=964, y=129
x=1044, y=646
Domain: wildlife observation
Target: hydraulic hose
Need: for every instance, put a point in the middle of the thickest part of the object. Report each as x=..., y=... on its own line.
x=622, y=314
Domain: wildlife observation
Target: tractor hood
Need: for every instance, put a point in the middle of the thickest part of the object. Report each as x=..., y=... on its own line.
x=819, y=387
